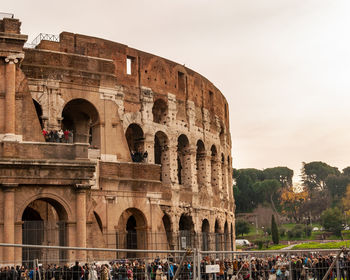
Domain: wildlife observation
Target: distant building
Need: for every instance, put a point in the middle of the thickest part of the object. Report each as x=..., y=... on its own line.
x=95, y=186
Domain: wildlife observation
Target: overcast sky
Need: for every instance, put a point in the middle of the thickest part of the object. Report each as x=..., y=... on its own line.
x=283, y=65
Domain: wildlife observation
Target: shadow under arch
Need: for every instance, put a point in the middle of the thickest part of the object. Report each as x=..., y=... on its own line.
x=132, y=231
x=82, y=118
x=205, y=235
x=44, y=222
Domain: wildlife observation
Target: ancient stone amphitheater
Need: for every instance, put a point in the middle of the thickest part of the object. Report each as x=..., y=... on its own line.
x=88, y=191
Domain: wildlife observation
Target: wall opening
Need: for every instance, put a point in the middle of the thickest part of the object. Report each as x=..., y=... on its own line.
x=135, y=138
x=183, y=161
x=82, y=119
x=205, y=235
x=130, y=67
x=200, y=164
x=217, y=236
x=187, y=233
x=160, y=111
x=44, y=223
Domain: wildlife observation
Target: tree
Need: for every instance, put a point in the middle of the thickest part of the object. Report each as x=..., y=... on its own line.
x=314, y=175
x=292, y=203
x=346, y=201
x=274, y=231
x=282, y=174
x=245, y=197
x=331, y=220
x=337, y=186
x=242, y=227
x=266, y=190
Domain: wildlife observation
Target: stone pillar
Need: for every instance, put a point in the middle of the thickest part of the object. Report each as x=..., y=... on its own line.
x=10, y=98
x=207, y=178
x=9, y=222
x=81, y=219
x=149, y=147
x=172, y=149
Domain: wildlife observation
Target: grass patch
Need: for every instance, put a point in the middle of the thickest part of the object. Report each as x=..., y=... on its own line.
x=276, y=247
x=317, y=245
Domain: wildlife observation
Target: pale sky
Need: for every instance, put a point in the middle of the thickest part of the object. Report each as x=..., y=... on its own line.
x=283, y=65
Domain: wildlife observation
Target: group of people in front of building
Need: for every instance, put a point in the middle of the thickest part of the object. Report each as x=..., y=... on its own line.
x=58, y=136
x=241, y=268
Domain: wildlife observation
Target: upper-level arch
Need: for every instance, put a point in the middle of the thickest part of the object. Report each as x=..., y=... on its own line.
x=82, y=118
x=201, y=164
x=160, y=111
x=183, y=161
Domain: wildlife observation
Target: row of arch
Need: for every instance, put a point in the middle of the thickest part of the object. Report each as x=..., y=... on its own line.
x=82, y=117
x=44, y=222
x=135, y=138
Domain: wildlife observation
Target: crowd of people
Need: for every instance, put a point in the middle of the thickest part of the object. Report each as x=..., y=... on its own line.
x=139, y=156
x=281, y=267
x=58, y=136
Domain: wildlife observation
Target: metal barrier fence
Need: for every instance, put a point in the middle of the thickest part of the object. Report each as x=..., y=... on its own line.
x=127, y=264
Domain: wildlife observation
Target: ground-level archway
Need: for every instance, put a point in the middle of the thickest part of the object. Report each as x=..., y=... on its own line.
x=44, y=222
x=132, y=231
x=205, y=235
x=186, y=231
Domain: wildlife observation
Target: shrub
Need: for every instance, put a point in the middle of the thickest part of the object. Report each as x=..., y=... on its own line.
x=274, y=231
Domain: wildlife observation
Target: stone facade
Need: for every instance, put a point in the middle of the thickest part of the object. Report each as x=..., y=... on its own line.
x=114, y=99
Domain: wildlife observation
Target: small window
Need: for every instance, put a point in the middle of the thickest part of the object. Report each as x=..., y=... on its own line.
x=129, y=65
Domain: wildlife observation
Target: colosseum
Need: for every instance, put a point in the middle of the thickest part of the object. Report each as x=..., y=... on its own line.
x=107, y=146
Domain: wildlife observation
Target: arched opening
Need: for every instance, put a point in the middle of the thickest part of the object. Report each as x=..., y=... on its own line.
x=183, y=161
x=200, y=164
x=81, y=118
x=132, y=232
x=39, y=113
x=226, y=237
x=161, y=154
x=217, y=236
x=214, y=168
x=131, y=236
x=205, y=235
x=44, y=223
x=168, y=231
x=135, y=138
x=187, y=234
x=160, y=111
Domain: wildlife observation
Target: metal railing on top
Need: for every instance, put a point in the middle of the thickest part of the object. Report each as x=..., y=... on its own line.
x=6, y=15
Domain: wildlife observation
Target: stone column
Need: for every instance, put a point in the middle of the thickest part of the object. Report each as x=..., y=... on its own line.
x=9, y=222
x=149, y=147
x=81, y=219
x=10, y=98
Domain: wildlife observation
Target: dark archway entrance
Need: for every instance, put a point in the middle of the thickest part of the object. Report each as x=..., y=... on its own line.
x=132, y=233
x=205, y=235
x=44, y=223
x=187, y=233
x=135, y=138
x=82, y=119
